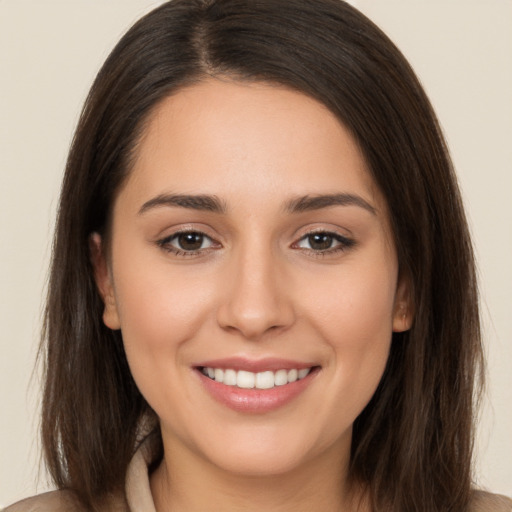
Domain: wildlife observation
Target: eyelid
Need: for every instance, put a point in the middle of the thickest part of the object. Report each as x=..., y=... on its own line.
x=344, y=242
x=165, y=242
x=176, y=237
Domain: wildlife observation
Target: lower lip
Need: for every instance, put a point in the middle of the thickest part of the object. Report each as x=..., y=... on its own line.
x=256, y=400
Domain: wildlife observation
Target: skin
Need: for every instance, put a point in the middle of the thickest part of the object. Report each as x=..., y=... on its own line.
x=258, y=287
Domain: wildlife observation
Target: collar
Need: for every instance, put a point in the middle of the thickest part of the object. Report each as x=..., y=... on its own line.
x=138, y=490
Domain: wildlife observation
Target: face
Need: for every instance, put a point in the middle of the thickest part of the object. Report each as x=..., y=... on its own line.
x=253, y=276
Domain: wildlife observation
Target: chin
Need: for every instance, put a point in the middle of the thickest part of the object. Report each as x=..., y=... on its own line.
x=260, y=463
x=268, y=452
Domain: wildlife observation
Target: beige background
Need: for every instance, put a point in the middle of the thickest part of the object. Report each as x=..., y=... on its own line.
x=49, y=53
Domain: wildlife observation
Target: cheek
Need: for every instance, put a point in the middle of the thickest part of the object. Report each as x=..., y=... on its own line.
x=355, y=308
x=159, y=310
x=354, y=320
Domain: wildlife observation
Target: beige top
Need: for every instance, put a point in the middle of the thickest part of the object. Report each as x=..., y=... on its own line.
x=139, y=499
x=138, y=492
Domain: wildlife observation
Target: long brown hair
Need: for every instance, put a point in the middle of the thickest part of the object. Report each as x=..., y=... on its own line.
x=412, y=444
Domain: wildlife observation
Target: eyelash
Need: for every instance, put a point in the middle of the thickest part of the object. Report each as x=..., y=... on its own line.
x=344, y=244
x=165, y=243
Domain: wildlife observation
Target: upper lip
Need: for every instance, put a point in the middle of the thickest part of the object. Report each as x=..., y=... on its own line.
x=254, y=365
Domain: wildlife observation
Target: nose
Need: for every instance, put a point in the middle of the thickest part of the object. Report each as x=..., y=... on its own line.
x=255, y=298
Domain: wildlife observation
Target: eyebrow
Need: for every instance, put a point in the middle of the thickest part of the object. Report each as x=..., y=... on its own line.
x=194, y=202
x=318, y=202
x=213, y=204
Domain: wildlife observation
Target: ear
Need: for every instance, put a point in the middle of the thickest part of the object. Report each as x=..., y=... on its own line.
x=403, y=313
x=103, y=280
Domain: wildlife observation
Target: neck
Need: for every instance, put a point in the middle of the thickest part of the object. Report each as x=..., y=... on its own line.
x=185, y=482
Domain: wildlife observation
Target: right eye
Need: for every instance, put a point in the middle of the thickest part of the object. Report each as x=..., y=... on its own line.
x=186, y=243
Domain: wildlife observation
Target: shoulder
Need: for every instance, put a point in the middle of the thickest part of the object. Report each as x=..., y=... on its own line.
x=487, y=502
x=54, y=501
x=64, y=501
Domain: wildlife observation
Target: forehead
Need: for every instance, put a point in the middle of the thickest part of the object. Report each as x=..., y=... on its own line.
x=257, y=138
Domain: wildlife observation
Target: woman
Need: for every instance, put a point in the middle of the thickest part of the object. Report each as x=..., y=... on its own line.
x=263, y=291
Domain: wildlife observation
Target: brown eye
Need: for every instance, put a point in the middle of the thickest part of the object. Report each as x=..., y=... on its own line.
x=320, y=241
x=187, y=243
x=325, y=242
x=190, y=241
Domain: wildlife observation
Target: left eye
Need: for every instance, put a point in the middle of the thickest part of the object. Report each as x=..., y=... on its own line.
x=323, y=241
x=188, y=241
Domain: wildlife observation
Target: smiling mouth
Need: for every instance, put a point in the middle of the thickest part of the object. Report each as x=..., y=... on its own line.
x=261, y=380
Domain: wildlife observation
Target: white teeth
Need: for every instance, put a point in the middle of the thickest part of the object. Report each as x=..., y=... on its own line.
x=281, y=377
x=249, y=380
x=245, y=380
x=302, y=373
x=230, y=377
x=219, y=375
x=293, y=375
x=265, y=380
